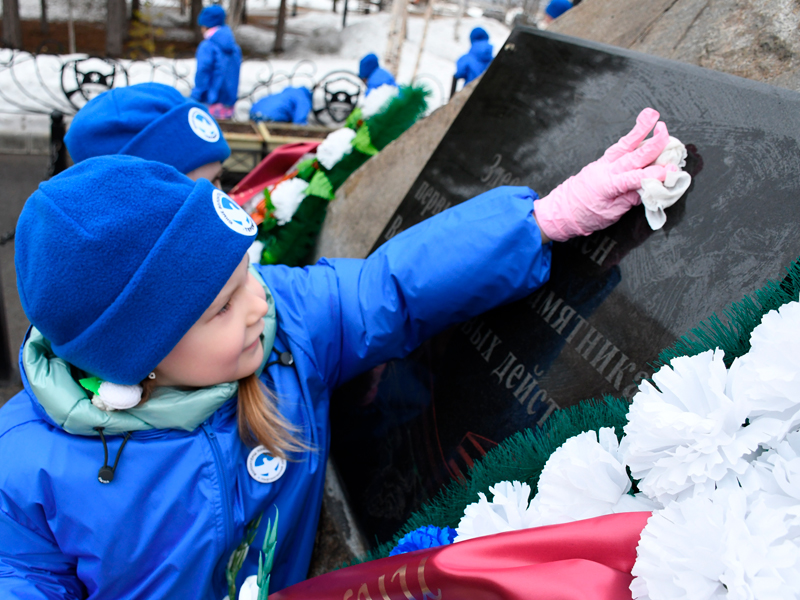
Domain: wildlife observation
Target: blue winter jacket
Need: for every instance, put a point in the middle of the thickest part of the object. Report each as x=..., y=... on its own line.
x=218, y=61
x=474, y=62
x=179, y=503
x=290, y=105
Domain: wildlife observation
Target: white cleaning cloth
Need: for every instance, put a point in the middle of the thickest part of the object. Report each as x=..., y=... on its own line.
x=657, y=196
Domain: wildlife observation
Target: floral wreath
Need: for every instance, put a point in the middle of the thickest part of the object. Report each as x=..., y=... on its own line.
x=711, y=446
x=291, y=215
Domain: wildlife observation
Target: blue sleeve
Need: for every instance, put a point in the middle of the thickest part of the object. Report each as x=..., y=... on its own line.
x=216, y=87
x=32, y=566
x=461, y=67
x=204, y=74
x=356, y=314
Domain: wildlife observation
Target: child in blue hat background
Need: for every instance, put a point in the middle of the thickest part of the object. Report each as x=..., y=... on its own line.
x=373, y=74
x=219, y=58
x=157, y=419
x=152, y=121
x=474, y=63
x=290, y=105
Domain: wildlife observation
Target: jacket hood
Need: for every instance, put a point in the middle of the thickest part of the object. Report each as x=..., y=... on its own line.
x=482, y=51
x=224, y=39
x=367, y=66
x=478, y=34
x=50, y=383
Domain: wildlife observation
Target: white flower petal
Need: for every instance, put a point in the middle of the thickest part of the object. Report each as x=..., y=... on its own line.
x=720, y=546
x=585, y=478
x=286, y=197
x=254, y=252
x=335, y=147
x=777, y=471
x=767, y=378
x=686, y=435
x=509, y=510
x=249, y=590
x=378, y=99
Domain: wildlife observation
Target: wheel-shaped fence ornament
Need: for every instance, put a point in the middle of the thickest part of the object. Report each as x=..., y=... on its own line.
x=335, y=96
x=84, y=78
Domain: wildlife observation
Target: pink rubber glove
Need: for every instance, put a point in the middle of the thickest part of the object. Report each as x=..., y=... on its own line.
x=606, y=189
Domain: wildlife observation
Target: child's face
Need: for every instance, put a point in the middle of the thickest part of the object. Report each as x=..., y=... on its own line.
x=211, y=171
x=224, y=345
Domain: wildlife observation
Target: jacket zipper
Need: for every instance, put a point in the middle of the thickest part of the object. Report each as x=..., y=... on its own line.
x=227, y=507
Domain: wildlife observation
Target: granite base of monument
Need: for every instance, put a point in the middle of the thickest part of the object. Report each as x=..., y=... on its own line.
x=547, y=106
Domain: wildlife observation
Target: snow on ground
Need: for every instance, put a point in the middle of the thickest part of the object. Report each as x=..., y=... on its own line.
x=38, y=81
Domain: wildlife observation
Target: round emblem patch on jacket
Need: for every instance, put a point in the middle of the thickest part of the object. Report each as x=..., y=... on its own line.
x=263, y=467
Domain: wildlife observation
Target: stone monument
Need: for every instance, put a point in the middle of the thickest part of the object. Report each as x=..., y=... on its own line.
x=547, y=106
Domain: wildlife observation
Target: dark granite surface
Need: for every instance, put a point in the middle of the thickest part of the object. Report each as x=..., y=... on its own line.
x=547, y=106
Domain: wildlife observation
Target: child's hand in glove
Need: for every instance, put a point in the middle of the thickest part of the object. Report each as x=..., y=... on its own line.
x=606, y=189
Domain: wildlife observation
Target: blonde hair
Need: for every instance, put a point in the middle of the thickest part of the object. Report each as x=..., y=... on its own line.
x=261, y=423
x=258, y=418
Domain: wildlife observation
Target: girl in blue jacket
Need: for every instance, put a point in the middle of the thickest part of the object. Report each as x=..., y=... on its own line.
x=167, y=381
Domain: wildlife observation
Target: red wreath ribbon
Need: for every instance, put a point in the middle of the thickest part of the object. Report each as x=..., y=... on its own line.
x=589, y=559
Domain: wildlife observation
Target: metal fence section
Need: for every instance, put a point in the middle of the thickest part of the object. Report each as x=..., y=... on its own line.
x=43, y=83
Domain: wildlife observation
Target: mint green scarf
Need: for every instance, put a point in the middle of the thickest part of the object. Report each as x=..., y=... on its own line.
x=68, y=404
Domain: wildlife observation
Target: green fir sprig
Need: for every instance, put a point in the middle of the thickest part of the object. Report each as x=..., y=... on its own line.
x=267, y=557
x=236, y=560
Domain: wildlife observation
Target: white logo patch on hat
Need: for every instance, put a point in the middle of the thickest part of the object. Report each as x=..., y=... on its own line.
x=232, y=214
x=263, y=467
x=203, y=125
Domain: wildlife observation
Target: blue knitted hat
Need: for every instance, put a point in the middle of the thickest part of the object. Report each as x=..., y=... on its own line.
x=149, y=120
x=367, y=66
x=556, y=8
x=477, y=34
x=118, y=257
x=213, y=16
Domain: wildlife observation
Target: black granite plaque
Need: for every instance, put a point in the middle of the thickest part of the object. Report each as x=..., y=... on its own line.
x=547, y=106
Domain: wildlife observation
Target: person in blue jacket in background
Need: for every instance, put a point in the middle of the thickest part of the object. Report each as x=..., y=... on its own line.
x=290, y=105
x=173, y=392
x=556, y=8
x=474, y=62
x=219, y=58
x=373, y=74
x=151, y=121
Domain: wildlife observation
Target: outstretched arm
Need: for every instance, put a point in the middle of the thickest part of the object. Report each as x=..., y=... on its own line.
x=462, y=262
x=482, y=253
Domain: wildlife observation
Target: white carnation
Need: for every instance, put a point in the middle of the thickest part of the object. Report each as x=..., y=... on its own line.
x=767, y=378
x=586, y=478
x=254, y=252
x=509, y=510
x=716, y=547
x=687, y=435
x=249, y=590
x=777, y=470
x=335, y=147
x=286, y=197
x=378, y=99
